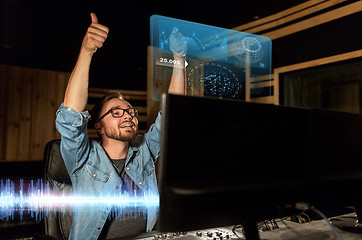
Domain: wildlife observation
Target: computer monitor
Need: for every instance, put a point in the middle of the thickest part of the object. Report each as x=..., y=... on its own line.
x=226, y=162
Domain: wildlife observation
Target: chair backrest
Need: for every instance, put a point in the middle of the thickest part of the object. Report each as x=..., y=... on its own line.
x=57, y=224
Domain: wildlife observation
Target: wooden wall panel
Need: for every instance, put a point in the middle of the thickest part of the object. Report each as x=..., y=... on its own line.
x=24, y=87
x=3, y=109
x=40, y=114
x=296, y=19
x=13, y=115
x=29, y=100
x=280, y=15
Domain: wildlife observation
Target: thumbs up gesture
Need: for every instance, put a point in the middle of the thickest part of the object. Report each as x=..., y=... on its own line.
x=95, y=37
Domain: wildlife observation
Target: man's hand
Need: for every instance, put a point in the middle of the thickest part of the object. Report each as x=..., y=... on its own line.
x=76, y=94
x=95, y=37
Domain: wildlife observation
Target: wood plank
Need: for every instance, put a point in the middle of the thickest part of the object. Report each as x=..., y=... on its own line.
x=141, y=109
x=266, y=99
x=101, y=92
x=25, y=115
x=38, y=120
x=92, y=133
x=261, y=78
x=4, y=79
x=262, y=84
x=315, y=21
x=125, y=96
x=318, y=62
x=295, y=16
x=276, y=89
x=51, y=80
x=48, y=131
x=13, y=113
x=61, y=84
x=134, y=97
x=278, y=15
x=142, y=118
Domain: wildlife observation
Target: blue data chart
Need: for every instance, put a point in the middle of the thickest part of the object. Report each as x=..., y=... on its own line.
x=218, y=62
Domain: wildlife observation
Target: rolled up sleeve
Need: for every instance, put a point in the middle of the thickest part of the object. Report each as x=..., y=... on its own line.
x=152, y=137
x=74, y=146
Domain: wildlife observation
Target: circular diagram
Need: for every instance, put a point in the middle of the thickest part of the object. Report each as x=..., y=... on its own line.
x=248, y=49
x=251, y=44
x=215, y=80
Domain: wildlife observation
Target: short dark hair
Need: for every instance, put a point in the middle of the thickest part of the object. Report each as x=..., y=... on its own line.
x=95, y=114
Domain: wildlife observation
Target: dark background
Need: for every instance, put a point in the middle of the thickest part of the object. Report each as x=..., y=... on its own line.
x=48, y=34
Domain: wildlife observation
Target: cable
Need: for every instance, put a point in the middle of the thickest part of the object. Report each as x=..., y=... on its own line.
x=329, y=222
x=309, y=220
x=305, y=206
x=275, y=224
x=300, y=219
x=234, y=228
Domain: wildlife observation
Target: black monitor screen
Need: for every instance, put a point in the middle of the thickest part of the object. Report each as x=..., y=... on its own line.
x=226, y=161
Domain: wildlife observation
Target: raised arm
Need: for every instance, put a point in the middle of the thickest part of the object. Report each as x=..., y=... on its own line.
x=177, y=85
x=76, y=94
x=178, y=45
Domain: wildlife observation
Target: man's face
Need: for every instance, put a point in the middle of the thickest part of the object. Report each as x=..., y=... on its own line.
x=123, y=128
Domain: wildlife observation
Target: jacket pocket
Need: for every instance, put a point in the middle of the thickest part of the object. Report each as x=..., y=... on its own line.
x=149, y=168
x=96, y=173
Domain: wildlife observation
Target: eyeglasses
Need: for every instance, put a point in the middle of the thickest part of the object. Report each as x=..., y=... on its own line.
x=119, y=112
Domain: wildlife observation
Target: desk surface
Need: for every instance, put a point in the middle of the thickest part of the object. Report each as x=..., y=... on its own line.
x=315, y=230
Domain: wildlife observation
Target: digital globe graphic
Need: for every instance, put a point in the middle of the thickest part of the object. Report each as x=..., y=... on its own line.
x=215, y=80
x=248, y=49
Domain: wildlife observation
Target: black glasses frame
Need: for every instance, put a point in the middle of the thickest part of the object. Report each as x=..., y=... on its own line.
x=135, y=114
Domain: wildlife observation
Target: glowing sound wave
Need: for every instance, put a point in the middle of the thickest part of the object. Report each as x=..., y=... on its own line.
x=197, y=40
x=39, y=201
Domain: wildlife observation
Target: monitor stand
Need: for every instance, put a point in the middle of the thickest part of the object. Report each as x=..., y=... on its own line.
x=250, y=230
x=350, y=223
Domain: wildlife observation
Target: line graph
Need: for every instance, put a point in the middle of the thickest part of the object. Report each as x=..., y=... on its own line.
x=214, y=42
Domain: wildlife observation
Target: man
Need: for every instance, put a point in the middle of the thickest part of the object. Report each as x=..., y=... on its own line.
x=114, y=166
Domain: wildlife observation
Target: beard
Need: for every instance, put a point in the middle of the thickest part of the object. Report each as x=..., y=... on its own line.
x=121, y=134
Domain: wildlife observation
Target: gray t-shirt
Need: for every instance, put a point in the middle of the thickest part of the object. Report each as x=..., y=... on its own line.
x=133, y=221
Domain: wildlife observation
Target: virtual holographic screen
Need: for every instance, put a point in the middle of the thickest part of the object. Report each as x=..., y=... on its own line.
x=219, y=62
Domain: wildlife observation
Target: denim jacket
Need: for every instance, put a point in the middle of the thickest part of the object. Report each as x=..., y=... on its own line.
x=92, y=173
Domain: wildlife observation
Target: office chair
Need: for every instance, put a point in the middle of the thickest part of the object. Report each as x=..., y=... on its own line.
x=57, y=225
